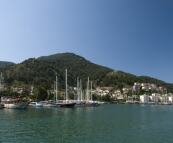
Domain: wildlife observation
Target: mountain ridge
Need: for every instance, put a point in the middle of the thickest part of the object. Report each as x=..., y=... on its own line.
x=6, y=63
x=44, y=69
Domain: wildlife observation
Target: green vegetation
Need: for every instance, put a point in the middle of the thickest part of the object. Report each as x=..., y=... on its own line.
x=41, y=74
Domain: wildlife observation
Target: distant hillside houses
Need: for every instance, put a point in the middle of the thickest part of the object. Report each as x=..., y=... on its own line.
x=155, y=98
x=157, y=94
x=16, y=89
x=118, y=94
x=146, y=87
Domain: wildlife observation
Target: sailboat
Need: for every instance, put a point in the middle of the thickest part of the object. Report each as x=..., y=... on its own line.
x=67, y=104
x=79, y=102
x=1, y=105
x=53, y=103
x=88, y=102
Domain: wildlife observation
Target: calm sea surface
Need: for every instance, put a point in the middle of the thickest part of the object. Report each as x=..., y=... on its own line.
x=109, y=123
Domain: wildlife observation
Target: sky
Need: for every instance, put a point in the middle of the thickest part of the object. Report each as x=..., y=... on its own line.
x=134, y=36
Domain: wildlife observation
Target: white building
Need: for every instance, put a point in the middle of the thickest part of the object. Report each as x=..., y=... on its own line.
x=125, y=90
x=154, y=98
x=165, y=99
x=144, y=98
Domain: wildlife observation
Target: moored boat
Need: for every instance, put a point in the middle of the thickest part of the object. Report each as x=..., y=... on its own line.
x=67, y=105
x=80, y=104
x=36, y=104
x=51, y=104
x=91, y=104
x=1, y=106
x=16, y=104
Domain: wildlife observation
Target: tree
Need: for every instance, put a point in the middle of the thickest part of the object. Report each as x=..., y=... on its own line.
x=25, y=93
x=40, y=93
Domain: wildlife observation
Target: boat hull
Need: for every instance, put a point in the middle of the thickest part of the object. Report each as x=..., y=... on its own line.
x=37, y=105
x=51, y=105
x=21, y=105
x=67, y=105
x=80, y=104
x=91, y=104
x=1, y=106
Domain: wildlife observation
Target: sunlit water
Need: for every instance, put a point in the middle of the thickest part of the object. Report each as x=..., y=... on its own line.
x=110, y=123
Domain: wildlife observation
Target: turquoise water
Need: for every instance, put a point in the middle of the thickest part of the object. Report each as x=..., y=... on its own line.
x=110, y=123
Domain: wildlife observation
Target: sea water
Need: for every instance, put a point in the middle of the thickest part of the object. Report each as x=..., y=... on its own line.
x=109, y=123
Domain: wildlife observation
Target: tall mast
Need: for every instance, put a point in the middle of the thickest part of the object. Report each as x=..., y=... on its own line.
x=77, y=88
x=88, y=89
x=66, y=83
x=56, y=87
x=80, y=89
x=54, y=93
x=91, y=91
x=132, y=95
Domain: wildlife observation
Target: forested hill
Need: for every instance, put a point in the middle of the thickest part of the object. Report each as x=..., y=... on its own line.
x=4, y=63
x=42, y=71
x=77, y=66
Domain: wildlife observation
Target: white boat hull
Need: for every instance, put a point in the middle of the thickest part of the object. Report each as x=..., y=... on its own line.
x=37, y=105
x=20, y=105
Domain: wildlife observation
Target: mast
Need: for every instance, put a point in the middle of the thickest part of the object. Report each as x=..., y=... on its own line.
x=66, y=83
x=80, y=89
x=91, y=91
x=88, y=89
x=54, y=93
x=56, y=87
x=166, y=97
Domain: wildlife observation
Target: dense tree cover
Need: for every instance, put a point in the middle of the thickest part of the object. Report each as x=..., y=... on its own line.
x=41, y=73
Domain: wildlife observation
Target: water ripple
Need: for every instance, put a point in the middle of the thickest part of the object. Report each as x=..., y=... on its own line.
x=103, y=124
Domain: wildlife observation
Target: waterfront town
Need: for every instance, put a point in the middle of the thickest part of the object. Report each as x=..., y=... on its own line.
x=150, y=93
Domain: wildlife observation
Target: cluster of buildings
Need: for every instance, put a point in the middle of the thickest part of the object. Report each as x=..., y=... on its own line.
x=147, y=87
x=156, y=98
x=16, y=89
x=158, y=94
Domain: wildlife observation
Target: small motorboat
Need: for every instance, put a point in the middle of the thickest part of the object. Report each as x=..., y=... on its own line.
x=36, y=104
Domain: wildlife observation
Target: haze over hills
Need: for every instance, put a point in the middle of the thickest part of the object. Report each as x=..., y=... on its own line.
x=42, y=71
x=4, y=63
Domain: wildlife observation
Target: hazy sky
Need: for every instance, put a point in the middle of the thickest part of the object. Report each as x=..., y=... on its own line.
x=135, y=36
